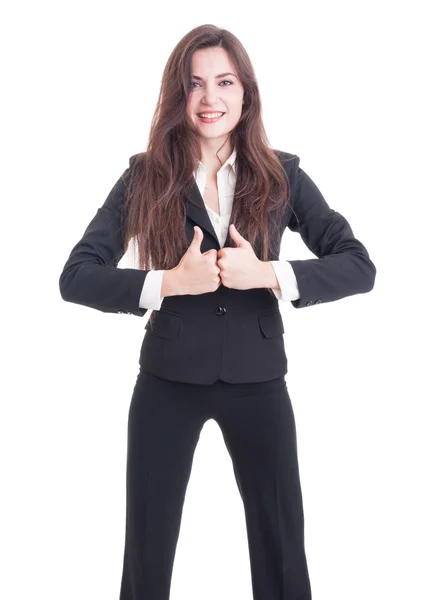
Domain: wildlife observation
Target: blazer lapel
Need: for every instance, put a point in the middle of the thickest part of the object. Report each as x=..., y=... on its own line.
x=199, y=215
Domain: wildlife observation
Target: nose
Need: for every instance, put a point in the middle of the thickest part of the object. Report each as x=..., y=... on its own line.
x=210, y=96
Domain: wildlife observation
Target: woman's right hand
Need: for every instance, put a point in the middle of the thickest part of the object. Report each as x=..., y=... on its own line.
x=198, y=272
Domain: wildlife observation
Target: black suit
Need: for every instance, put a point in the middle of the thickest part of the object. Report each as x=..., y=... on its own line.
x=233, y=335
x=233, y=341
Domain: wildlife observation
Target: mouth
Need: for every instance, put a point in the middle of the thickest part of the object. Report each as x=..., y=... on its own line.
x=210, y=117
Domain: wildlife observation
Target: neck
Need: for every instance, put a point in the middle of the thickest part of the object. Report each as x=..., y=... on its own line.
x=211, y=149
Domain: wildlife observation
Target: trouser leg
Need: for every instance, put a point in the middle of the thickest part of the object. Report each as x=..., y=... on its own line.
x=258, y=427
x=163, y=430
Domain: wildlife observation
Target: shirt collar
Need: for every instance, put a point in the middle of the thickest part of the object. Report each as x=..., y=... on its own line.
x=230, y=161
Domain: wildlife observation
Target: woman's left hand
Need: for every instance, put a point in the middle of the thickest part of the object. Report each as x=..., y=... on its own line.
x=240, y=268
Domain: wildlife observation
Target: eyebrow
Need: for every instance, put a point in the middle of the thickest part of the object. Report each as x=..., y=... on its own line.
x=217, y=76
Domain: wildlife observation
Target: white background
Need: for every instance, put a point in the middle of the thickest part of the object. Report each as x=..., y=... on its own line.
x=342, y=86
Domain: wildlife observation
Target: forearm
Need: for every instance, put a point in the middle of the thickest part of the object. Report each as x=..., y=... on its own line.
x=265, y=277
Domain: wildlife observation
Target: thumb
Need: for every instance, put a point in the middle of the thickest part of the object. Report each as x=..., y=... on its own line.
x=197, y=238
x=239, y=240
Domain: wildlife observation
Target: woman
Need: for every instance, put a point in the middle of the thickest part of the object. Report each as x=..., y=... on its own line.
x=207, y=204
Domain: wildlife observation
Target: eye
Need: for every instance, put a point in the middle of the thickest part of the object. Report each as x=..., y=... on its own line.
x=223, y=81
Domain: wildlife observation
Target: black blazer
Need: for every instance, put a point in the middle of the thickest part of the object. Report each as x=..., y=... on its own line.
x=233, y=335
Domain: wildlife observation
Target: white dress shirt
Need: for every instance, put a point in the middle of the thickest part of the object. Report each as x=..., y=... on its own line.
x=226, y=179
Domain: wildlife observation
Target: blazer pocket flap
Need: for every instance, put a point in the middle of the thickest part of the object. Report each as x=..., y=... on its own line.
x=271, y=323
x=164, y=325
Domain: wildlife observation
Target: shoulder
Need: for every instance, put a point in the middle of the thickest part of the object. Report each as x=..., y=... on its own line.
x=286, y=156
x=134, y=164
x=290, y=164
x=137, y=158
x=289, y=161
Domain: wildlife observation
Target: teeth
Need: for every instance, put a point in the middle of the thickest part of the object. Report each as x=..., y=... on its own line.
x=210, y=115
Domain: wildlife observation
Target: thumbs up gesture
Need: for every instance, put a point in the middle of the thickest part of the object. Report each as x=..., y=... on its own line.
x=198, y=272
x=237, y=268
x=240, y=268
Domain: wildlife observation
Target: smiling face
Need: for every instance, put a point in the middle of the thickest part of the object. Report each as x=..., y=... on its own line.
x=210, y=93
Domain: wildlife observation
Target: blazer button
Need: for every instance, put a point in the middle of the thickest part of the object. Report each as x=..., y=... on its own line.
x=220, y=310
x=318, y=301
x=309, y=303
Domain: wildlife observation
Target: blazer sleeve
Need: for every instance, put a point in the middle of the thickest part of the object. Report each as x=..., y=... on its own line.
x=90, y=275
x=343, y=266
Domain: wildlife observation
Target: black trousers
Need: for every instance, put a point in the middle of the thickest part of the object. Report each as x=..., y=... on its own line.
x=257, y=423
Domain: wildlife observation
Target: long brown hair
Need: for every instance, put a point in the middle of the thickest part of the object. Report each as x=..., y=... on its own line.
x=160, y=178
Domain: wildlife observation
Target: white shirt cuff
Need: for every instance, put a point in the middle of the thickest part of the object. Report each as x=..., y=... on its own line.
x=151, y=292
x=287, y=281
